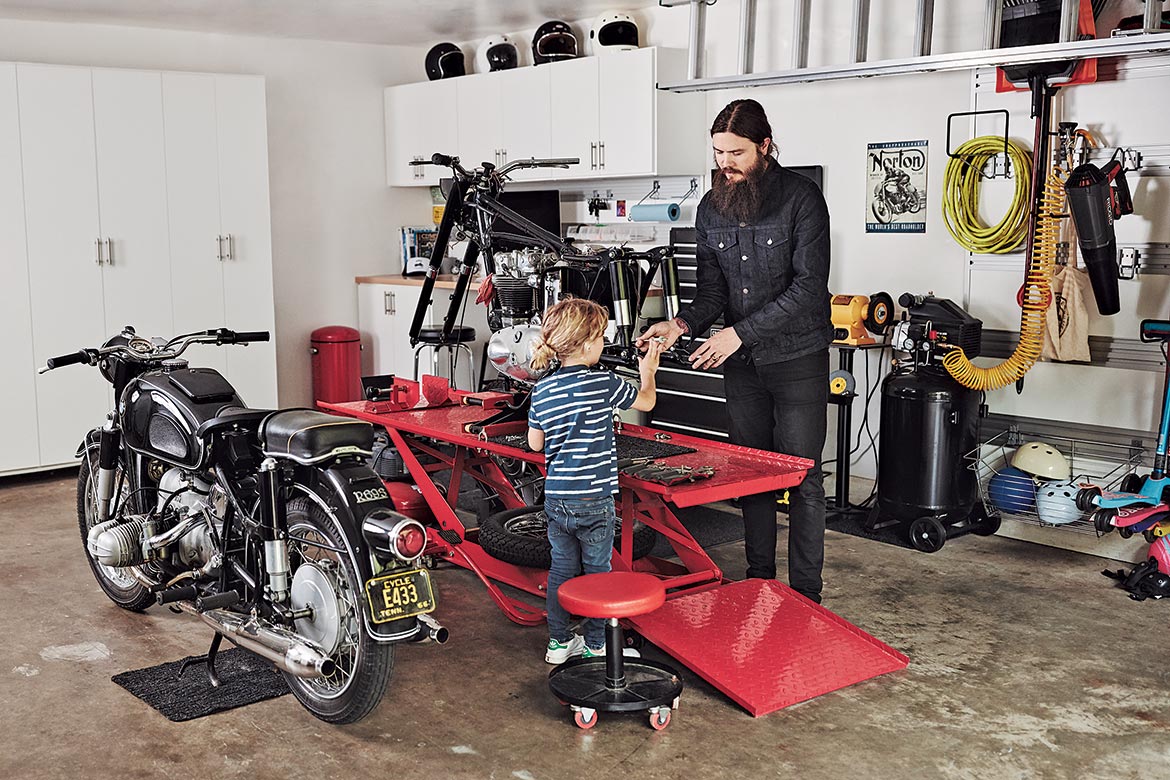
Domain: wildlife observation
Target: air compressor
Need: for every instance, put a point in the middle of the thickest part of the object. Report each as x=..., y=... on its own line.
x=929, y=426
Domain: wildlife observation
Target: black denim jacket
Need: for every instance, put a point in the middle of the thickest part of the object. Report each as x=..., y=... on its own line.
x=769, y=279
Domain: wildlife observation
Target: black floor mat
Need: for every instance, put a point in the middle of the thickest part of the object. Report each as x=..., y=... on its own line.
x=708, y=525
x=851, y=524
x=627, y=446
x=245, y=678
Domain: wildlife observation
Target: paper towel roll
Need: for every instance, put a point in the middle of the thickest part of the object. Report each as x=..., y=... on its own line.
x=655, y=212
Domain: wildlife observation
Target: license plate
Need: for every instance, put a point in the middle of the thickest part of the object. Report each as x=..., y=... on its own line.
x=400, y=595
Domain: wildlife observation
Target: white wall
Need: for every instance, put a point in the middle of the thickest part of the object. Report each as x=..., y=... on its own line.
x=333, y=217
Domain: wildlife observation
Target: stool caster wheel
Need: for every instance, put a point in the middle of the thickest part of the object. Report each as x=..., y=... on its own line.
x=660, y=718
x=585, y=717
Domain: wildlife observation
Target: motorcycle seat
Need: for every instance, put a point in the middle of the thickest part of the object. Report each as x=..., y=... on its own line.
x=308, y=437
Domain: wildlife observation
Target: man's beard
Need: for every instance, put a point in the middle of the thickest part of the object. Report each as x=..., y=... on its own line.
x=740, y=200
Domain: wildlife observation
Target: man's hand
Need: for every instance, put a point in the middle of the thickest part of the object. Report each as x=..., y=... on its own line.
x=716, y=349
x=668, y=329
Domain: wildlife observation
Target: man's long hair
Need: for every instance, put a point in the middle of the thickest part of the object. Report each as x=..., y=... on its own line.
x=742, y=200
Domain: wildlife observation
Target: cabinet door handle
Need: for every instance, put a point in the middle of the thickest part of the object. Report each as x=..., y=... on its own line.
x=601, y=154
x=219, y=248
x=504, y=156
x=230, y=254
x=388, y=302
x=97, y=251
x=592, y=155
x=109, y=242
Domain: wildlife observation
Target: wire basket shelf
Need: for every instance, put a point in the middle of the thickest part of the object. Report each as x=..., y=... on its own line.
x=1097, y=463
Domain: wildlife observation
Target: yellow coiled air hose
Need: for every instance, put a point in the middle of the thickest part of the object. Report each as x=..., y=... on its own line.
x=1036, y=295
x=961, y=183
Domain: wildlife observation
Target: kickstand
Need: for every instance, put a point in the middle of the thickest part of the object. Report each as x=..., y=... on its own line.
x=208, y=658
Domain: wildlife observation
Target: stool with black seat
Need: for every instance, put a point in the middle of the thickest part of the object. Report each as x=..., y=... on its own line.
x=432, y=339
x=615, y=683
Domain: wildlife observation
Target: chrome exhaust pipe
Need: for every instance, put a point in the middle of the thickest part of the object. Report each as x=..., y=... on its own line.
x=431, y=631
x=282, y=647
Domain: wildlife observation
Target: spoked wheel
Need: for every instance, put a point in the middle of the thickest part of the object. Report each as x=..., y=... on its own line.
x=327, y=583
x=927, y=534
x=117, y=582
x=881, y=210
x=520, y=536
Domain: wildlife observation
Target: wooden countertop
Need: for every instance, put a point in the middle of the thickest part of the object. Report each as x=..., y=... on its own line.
x=443, y=281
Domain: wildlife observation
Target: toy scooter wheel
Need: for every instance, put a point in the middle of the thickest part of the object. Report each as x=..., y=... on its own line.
x=927, y=534
x=1102, y=520
x=1132, y=483
x=1085, y=498
x=1149, y=535
x=1125, y=532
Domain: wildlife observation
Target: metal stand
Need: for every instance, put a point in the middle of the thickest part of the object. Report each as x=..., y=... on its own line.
x=839, y=503
x=208, y=658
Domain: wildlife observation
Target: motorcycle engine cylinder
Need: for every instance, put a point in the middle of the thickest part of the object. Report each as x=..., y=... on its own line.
x=515, y=296
x=118, y=543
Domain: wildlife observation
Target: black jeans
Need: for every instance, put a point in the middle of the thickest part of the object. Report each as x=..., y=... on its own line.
x=782, y=407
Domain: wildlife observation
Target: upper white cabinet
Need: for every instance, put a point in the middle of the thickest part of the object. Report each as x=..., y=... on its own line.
x=18, y=392
x=606, y=111
x=420, y=120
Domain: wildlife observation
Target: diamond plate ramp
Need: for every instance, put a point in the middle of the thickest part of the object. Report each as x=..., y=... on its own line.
x=764, y=645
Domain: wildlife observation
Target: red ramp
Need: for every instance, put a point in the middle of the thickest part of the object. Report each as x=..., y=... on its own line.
x=764, y=645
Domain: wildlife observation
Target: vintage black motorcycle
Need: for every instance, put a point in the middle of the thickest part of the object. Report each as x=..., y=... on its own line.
x=267, y=525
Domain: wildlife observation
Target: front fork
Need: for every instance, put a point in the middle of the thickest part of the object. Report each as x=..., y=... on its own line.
x=274, y=527
x=109, y=442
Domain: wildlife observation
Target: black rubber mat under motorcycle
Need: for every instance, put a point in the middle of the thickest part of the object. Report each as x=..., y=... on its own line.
x=245, y=678
x=627, y=446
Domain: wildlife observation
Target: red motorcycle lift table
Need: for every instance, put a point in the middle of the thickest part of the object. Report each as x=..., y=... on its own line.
x=757, y=641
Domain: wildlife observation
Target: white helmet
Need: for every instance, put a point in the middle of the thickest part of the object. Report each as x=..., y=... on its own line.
x=1041, y=459
x=496, y=52
x=1056, y=502
x=613, y=31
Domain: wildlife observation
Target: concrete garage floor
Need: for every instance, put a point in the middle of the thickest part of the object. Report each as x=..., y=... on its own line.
x=1025, y=663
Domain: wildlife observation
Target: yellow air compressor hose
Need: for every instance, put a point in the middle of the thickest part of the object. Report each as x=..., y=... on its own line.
x=1036, y=295
x=961, y=183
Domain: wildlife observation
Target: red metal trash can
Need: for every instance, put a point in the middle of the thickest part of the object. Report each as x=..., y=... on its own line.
x=337, y=364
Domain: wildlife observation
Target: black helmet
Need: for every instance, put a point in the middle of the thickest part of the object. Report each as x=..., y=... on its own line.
x=553, y=41
x=444, y=61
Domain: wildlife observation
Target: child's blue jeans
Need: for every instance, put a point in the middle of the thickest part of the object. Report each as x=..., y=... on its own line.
x=581, y=535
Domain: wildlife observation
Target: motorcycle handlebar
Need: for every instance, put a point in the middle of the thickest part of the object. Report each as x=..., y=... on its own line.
x=247, y=336
x=81, y=356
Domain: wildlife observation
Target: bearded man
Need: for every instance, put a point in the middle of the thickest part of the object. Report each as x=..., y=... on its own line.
x=763, y=265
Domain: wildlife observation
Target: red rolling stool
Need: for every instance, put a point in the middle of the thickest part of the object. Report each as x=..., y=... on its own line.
x=615, y=683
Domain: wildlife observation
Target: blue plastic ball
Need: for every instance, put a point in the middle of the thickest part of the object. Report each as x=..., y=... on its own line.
x=1012, y=491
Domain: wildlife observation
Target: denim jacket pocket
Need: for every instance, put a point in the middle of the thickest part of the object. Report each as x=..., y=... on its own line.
x=773, y=246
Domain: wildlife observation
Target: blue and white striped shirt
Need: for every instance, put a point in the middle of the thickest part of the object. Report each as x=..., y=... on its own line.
x=574, y=407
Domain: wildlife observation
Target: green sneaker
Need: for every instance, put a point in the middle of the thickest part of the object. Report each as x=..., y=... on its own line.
x=559, y=652
x=589, y=652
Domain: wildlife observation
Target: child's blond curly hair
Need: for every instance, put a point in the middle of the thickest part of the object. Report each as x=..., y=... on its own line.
x=565, y=328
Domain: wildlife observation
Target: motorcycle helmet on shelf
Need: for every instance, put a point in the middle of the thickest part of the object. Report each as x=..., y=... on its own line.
x=553, y=41
x=1056, y=502
x=613, y=31
x=496, y=52
x=445, y=61
x=1042, y=460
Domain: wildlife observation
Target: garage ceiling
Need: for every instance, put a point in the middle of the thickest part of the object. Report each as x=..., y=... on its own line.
x=403, y=22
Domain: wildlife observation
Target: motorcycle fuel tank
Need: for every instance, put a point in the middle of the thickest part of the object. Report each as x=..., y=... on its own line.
x=162, y=411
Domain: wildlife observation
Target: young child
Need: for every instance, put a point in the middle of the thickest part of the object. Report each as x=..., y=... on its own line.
x=571, y=419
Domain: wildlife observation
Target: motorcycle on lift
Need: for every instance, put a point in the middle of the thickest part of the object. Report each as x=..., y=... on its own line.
x=267, y=525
